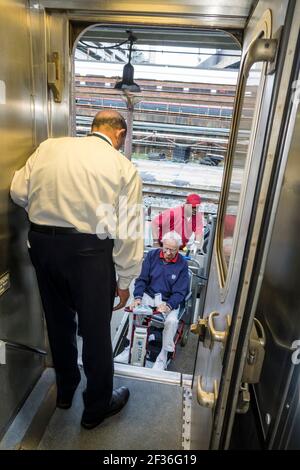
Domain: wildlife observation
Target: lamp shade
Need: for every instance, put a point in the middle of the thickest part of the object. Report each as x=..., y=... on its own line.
x=127, y=82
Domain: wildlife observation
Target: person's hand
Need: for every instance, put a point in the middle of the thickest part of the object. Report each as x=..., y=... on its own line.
x=163, y=308
x=135, y=303
x=123, y=294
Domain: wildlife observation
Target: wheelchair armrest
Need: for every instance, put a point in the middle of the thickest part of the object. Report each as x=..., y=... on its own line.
x=183, y=306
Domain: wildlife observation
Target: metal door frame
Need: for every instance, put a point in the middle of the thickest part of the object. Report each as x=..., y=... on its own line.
x=252, y=270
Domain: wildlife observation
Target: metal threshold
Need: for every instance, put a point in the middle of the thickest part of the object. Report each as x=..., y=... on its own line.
x=156, y=406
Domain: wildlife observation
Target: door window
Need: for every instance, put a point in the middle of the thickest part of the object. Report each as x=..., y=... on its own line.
x=240, y=160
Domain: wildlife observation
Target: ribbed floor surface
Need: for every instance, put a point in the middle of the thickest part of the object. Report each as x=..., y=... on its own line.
x=151, y=420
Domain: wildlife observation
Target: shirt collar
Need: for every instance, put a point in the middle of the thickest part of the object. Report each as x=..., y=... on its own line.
x=161, y=255
x=104, y=136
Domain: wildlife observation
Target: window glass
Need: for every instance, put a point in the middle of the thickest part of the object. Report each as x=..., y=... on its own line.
x=251, y=92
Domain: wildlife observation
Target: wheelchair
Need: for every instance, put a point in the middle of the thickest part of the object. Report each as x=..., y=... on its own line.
x=147, y=329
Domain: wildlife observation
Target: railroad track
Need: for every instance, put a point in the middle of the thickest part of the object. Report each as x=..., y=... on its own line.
x=206, y=211
x=177, y=192
x=211, y=198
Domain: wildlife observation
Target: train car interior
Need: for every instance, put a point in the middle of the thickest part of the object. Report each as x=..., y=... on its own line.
x=212, y=109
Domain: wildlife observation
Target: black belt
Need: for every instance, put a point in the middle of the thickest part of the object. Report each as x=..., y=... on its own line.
x=52, y=229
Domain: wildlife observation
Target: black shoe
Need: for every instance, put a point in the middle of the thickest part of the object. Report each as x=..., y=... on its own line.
x=119, y=399
x=64, y=404
x=64, y=400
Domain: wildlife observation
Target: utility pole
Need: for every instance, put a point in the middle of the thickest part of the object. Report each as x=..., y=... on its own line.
x=130, y=109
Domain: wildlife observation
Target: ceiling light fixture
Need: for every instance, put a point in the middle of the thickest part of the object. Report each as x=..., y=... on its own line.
x=127, y=82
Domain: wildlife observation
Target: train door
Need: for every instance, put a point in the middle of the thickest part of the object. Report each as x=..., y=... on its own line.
x=219, y=386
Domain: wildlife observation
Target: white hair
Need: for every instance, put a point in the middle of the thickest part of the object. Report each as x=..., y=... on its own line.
x=173, y=236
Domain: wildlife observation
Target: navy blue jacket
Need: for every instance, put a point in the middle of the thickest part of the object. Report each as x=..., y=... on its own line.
x=158, y=276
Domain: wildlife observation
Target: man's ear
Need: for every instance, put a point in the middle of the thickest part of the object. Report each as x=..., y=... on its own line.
x=122, y=134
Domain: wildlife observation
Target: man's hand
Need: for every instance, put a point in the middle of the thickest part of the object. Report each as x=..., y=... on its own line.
x=163, y=308
x=135, y=303
x=123, y=294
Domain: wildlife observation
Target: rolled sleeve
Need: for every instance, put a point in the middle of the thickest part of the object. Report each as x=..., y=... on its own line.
x=19, y=188
x=155, y=228
x=129, y=244
x=199, y=225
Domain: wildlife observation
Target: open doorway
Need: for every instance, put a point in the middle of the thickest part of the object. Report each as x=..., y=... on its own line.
x=178, y=114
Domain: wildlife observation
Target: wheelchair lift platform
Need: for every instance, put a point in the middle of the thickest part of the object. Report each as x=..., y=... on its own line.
x=153, y=419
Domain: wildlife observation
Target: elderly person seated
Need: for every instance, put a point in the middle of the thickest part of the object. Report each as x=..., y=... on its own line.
x=165, y=272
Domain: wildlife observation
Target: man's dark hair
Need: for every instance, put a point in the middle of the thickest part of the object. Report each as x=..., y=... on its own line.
x=117, y=122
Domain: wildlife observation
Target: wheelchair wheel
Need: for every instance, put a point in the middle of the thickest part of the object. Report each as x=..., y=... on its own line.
x=185, y=335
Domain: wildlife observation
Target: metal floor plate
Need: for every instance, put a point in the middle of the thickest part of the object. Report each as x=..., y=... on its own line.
x=152, y=420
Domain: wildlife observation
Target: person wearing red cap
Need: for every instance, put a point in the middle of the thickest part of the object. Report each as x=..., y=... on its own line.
x=186, y=220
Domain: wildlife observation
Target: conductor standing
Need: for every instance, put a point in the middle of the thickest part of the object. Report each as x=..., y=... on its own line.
x=83, y=252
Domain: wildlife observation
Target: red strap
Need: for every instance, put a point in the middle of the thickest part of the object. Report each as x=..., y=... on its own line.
x=194, y=222
x=183, y=237
x=172, y=216
x=160, y=227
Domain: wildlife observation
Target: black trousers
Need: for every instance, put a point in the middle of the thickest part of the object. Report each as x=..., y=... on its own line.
x=76, y=274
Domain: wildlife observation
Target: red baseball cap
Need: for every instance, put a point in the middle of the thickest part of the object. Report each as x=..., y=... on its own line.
x=193, y=199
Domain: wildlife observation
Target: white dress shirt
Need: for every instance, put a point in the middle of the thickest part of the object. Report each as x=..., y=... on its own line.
x=79, y=182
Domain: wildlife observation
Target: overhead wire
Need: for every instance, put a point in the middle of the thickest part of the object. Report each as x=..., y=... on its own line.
x=103, y=47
